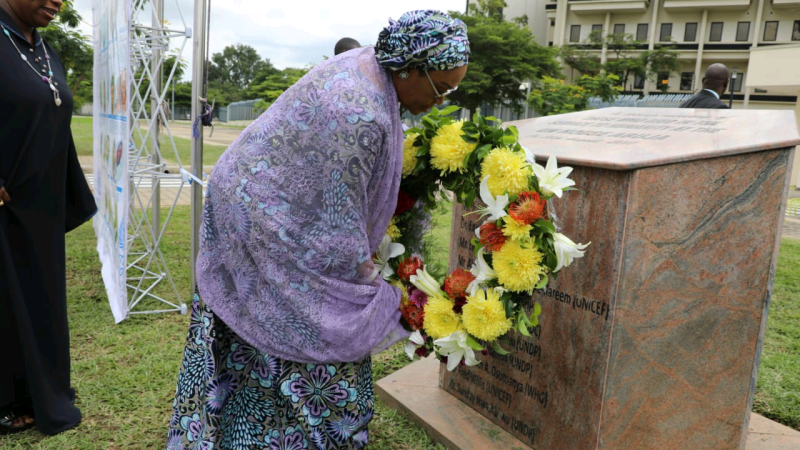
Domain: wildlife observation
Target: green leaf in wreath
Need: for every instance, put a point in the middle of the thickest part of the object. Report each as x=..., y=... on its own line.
x=450, y=110
x=508, y=140
x=498, y=349
x=473, y=344
x=543, y=281
x=523, y=328
x=545, y=225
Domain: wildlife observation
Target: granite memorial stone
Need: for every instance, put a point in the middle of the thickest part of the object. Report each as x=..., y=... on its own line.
x=653, y=339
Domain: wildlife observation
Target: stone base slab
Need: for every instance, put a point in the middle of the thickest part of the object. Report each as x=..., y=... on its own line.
x=415, y=391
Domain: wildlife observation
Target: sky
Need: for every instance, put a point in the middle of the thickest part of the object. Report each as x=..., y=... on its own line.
x=293, y=33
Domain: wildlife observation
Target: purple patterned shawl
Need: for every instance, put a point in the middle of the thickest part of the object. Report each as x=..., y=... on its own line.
x=296, y=207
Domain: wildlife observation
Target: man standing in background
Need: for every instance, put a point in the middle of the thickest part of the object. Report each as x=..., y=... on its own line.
x=344, y=45
x=715, y=83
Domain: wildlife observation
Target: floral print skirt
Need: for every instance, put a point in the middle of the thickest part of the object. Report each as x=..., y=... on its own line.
x=232, y=396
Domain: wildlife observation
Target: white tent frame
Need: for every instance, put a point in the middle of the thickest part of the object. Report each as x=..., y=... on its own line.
x=147, y=267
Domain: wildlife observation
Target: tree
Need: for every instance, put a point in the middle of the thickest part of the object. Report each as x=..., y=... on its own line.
x=580, y=60
x=272, y=84
x=624, y=62
x=553, y=96
x=503, y=56
x=236, y=67
x=75, y=51
x=663, y=58
x=169, y=63
x=603, y=86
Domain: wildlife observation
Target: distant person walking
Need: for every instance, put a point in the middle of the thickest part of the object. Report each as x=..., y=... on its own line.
x=715, y=83
x=344, y=45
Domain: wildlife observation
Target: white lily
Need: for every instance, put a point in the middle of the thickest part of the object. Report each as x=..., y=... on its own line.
x=553, y=180
x=483, y=272
x=425, y=282
x=414, y=341
x=455, y=347
x=495, y=206
x=528, y=155
x=566, y=250
x=386, y=251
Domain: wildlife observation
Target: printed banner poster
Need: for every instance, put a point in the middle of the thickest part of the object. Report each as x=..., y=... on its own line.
x=111, y=141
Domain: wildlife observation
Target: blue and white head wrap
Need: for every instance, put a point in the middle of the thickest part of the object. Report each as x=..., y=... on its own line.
x=425, y=40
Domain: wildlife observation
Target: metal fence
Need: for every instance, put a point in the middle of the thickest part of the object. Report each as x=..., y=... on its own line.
x=508, y=113
x=628, y=101
x=504, y=113
x=184, y=113
x=793, y=211
x=243, y=111
x=662, y=101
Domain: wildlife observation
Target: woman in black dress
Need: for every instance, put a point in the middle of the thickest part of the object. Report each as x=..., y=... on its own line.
x=43, y=195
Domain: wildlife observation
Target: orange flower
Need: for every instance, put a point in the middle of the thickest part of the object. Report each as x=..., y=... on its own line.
x=413, y=315
x=409, y=267
x=492, y=237
x=456, y=283
x=528, y=208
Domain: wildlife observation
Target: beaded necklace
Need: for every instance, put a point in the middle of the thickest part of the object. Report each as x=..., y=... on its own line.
x=48, y=80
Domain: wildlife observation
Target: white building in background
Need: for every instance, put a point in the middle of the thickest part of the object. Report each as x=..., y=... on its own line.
x=759, y=39
x=705, y=32
x=538, y=21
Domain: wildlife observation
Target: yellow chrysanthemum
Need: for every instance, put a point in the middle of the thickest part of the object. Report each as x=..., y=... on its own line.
x=484, y=316
x=403, y=291
x=409, y=154
x=448, y=148
x=440, y=319
x=508, y=170
x=393, y=231
x=518, y=269
x=515, y=230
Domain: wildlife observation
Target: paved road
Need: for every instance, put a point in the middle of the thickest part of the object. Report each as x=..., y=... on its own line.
x=223, y=136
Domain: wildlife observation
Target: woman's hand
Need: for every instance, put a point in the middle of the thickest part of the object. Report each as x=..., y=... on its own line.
x=367, y=271
x=4, y=197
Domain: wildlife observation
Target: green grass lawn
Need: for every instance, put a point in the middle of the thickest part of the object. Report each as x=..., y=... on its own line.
x=125, y=374
x=778, y=390
x=82, y=132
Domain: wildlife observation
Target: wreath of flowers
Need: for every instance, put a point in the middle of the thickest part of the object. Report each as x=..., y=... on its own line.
x=517, y=246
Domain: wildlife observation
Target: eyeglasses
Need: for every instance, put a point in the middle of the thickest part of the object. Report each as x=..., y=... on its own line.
x=438, y=95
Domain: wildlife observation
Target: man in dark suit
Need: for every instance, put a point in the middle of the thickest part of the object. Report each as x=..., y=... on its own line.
x=715, y=83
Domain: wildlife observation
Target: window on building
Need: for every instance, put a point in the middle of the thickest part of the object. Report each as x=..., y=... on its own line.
x=687, y=78
x=716, y=32
x=597, y=31
x=638, y=82
x=771, y=30
x=690, y=33
x=737, y=82
x=666, y=32
x=575, y=33
x=619, y=29
x=796, y=31
x=743, y=32
x=641, y=32
x=663, y=79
